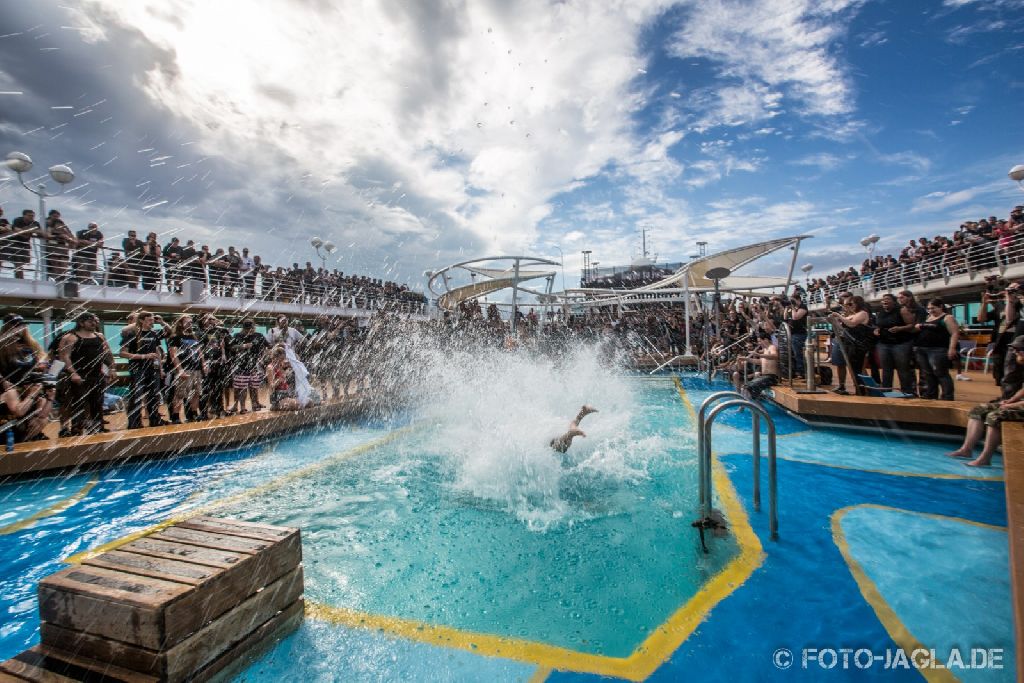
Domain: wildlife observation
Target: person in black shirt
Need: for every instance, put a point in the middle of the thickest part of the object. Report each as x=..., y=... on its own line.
x=173, y=255
x=192, y=269
x=141, y=348
x=232, y=272
x=90, y=241
x=132, y=248
x=214, y=338
x=1002, y=327
x=85, y=354
x=149, y=263
x=796, y=318
x=19, y=240
x=894, y=328
x=189, y=367
x=248, y=348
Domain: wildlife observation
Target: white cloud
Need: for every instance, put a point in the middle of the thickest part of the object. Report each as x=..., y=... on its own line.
x=779, y=45
x=822, y=160
x=913, y=160
x=937, y=201
x=483, y=112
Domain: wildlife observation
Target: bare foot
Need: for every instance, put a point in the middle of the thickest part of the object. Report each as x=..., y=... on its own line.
x=587, y=410
x=959, y=453
x=576, y=431
x=978, y=463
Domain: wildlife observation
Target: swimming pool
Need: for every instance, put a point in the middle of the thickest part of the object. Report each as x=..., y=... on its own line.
x=464, y=550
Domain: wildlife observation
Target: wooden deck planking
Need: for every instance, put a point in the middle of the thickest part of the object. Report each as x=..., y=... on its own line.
x=904, y=411
x=40, y=456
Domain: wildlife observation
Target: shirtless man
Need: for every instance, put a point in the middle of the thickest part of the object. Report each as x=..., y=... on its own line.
x=562, y=443
x=768, y=354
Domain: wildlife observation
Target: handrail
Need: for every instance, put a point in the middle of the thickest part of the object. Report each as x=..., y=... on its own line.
x=757, y=411
x=705, y=477
x=163, y=276
x=969, y=260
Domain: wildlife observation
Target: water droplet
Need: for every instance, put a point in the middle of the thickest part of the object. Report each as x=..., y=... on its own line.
x=479, y=125
x=512, y=122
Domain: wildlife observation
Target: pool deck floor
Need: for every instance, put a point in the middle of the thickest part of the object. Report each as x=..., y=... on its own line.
x=906, y=412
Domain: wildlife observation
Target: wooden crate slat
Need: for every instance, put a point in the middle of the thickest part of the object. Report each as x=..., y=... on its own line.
x=234, y=527
x=173, y=550
x=115, y=620
x=48, y=665
x=105, y=584
x=153, y=567
x=208, y=540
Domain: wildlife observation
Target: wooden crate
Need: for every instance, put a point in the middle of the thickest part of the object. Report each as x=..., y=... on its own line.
x=184, y=600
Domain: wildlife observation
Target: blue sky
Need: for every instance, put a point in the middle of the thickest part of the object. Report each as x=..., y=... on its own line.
x=418, y=134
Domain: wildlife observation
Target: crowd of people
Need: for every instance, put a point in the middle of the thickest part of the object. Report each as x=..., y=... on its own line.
x=82, y=256
x=191, y=370
x=976, y=245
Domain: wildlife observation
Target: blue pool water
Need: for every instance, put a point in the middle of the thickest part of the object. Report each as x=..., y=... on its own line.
x=578, y=562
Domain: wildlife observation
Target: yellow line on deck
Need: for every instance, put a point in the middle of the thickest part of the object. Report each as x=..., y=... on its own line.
x=540, y=675
x=50, y=510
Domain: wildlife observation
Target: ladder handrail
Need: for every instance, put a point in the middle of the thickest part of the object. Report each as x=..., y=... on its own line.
x=757, y=411
x=701, y=412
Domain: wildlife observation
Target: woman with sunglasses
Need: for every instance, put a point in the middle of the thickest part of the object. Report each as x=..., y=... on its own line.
x=936, y=346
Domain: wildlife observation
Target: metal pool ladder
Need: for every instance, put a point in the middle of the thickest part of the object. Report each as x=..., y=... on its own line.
x=705, y=420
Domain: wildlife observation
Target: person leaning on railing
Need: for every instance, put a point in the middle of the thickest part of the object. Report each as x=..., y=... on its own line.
x=18, y=248
x=90, y=241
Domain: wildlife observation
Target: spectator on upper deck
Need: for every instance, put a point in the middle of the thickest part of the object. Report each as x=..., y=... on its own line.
x=90, y=241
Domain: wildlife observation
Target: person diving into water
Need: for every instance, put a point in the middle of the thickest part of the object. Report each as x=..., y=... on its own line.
x=562, y=443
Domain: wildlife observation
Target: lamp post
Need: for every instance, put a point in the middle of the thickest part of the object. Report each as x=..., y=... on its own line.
x=869, y=244
x=1017, y=175
x=807, y=268
x=327, y=246
x=20, y=163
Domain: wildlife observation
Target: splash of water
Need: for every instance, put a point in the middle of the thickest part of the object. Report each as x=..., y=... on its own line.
x=491, y=414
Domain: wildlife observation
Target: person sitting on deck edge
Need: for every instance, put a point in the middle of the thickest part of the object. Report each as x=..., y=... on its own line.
x=768, y=376
x=994, y=413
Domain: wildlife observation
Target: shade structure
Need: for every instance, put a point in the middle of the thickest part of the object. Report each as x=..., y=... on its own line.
x=693, y=274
